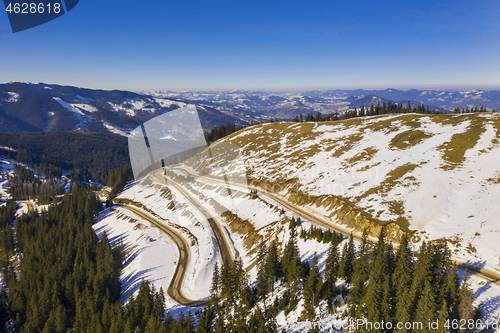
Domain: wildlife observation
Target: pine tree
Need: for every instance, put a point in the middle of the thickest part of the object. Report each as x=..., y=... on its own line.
x=466, y=310
x=257, y=322
x=387, y=309
x=403, y=269
x=189, y=323
x=348, y=259
x=262, y=283
x=240, y=279
x=272, y=265
x=420, y=277
x=227, y=279
x=426, y=308
x=332, y=267
x=312, y=287
x=205, y=320
x=379, y=294
x=442, y=318
x=169, y=322
x=451, y=294
x=154, y=325
x=290, y=261
x=332, y=263
x=292, y=268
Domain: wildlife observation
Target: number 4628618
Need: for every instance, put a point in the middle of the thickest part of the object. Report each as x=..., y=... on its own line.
x=33, y=8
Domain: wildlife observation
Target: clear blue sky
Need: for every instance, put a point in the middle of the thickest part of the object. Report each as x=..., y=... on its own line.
x=268, y=45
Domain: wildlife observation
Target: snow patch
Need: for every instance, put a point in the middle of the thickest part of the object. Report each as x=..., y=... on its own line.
x=14, y=97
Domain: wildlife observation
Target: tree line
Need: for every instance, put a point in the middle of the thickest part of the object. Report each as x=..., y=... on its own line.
x=380, y=109
x=221, y=131
x=118, y=178
x=321, y=236
x=471, y=110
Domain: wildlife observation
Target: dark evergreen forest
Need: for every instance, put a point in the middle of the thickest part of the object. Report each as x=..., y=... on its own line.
x=87, y=156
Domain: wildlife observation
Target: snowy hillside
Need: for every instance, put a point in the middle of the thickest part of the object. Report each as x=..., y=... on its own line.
x=436, y=176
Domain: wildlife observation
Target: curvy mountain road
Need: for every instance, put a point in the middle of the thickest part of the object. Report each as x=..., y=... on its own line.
x=225, y=247
x=175, y=288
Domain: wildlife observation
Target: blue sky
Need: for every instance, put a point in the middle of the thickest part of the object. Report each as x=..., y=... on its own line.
x=266, y=45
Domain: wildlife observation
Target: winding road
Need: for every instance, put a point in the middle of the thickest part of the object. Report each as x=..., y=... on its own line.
x=226, y=249
x=174, y=290
x=225, y=246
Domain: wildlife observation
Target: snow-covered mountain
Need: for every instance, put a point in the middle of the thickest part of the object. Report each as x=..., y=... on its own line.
x=29, y=107
x=276, y=105
x=286, y=105
x=38, y=107
x=435, y=176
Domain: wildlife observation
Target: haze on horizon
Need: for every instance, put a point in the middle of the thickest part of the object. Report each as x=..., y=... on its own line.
x=260, y=45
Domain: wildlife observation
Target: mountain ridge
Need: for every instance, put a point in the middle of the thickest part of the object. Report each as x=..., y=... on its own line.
x=40, y=107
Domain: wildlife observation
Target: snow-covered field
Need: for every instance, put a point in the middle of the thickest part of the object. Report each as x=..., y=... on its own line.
x=150, y=252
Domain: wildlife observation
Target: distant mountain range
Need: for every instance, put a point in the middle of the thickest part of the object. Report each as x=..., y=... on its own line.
x=40, y=107
x=30, y=107
x=288, y=104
